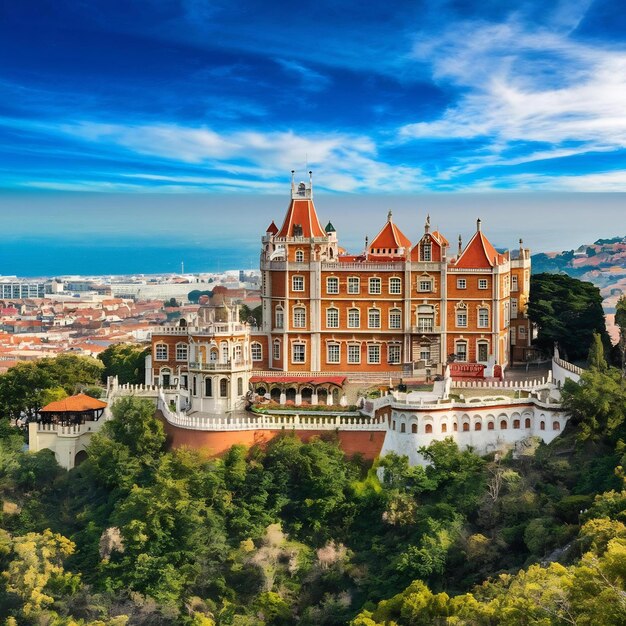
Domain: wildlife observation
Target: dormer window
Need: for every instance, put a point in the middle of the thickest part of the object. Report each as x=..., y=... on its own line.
x=299, y=256
x=297, y=230
x=426, y=251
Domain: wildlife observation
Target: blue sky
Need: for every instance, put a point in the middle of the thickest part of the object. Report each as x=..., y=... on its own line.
x=194, y=96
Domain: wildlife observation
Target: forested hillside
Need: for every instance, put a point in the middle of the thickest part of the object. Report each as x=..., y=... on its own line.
x=298, y=534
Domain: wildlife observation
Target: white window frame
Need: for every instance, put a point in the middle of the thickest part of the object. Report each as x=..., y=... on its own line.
x=425, y=353
x=478, y=346
x=180, y=347
x=334, y=280
x=394, y=353
x=301, y=354
x=425, y=323
x=395, y=281
x=373, y=348
x=297, y=283
x=395, y=314
x=279, y=317
x=354, y=285
x=514, y=308
x=369, y=317
x=256, y=351
x=425, y=285
x=483, y=322
x=276, y=351
x=514, y=285
x=354, y=353
x=161, y=352
x=333, y=353
x=351, y=315
x=299, y=317
x=483, y=283
x=426, y=249
x=299, y=256
x=461, y=318
x=332, y=317
x=376, y=291
x=456, y=350
x=461, y=283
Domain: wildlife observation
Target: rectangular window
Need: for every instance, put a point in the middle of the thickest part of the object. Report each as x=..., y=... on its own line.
x=395, y=286
x=483, y=318
x=332, y=353
x=161, y=352
x=425, y=353
x=514, y=308
x=522, y=331
x=276, y=353
x=354, y=353
x=426, y=252
x=332, y=318
x=514, y=282
x=298, y=353
x=393, y=353
x=256, y=352
x=483, y=352
x=373, y=353
x=425, y=285
x=395, y=319
x=297, y=283
x=332, y=285
x=373, y=318
x=482, y=283
x=461, y=351
x=461, y=319
x=354, y=284
x=425, y=324
x=375, y=286
x=461, y=283
x=354, y=318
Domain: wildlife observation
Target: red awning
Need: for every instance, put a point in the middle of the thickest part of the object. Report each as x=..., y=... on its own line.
x=314, y=380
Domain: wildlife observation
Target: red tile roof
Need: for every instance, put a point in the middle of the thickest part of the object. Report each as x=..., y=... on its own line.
x=301, y=212
x=479, y=253
x=272, y=229
x=390, y=237
x=74, y=404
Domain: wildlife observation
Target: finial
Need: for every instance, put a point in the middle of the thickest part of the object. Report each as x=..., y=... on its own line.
x=460, y=244
x=310, y=177
x=367, y=242
x=293, y=182
x=389, y=216
x=478, y=223
x=427, y=224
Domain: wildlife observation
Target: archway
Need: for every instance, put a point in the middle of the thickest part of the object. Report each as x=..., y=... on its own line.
x=81, y=456
x=291, y=395
x=307, y=395
x=322, y=396
x=275, y=395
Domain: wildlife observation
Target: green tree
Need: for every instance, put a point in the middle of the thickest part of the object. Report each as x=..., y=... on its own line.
x=126, y=361
x=596, y=358
x=567, y=311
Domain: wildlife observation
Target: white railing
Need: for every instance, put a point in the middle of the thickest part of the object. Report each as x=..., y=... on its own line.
x=374, y=377
x=522, y=385
x=570, y=367
x=365, y=265
x=209, y=329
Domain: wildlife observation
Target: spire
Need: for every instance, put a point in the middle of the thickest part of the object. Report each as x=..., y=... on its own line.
x=460, y=245
x=389, y=216
x=293, y=182
x=301, y=219
x=478, y=223
x=330, y=228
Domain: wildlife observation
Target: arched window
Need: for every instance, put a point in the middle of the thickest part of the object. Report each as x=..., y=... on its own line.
x=491, y=426
x=213, y=355
x=280, y=317
x=332, y=317
x=161, y=352
x=299, y=256
x=240, y=386
x=455, y=427
x=403, y=427
x=444, y=428
x=354, y=318
x=483, y=317
x=503, y=425
x=527, y=422
x=542, y=426
x=208, y=387
x=516, y=424
x=181, y=351
x=414, y=429
x=395, y=318
x=299, y=317
x=428, y=429
x=466, y=427
x=256, y=351
x=276, y=350
x=556, y=425
x=478, y=426
x=395, y=286
x=373, y=318
x=223, y=388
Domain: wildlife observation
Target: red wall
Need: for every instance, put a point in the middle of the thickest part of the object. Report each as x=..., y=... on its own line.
x=216, y=443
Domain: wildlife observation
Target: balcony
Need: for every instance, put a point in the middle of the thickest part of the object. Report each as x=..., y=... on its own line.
x=425, y=330
x=216, y=366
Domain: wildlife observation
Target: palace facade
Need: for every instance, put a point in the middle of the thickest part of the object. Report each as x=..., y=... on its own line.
x=400, y=309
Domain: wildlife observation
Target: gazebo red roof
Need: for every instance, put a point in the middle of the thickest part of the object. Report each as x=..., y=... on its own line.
x=74, y=404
